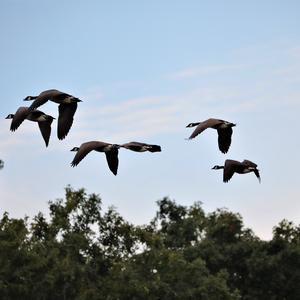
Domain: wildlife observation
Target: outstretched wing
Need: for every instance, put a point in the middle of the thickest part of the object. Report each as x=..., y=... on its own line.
x=253, y=166
x=19, y=117
x=45, y=129
x=256, y=172
x=224, y=139
x=249, y=163
x=44, y=96
x=83, y=151
x=229, y=169
x=65, y=119
x=113, y=160
x=41, y=99
x=204, y=125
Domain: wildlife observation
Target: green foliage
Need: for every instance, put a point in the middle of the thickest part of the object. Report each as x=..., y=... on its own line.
x=80, y=252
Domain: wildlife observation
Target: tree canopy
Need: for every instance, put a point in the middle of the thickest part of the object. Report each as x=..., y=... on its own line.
x=81, y=252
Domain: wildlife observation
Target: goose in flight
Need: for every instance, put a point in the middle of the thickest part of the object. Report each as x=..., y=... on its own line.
x=224, y=129
x=232, y=166
x=111, y=151
x=66, y=109
x=141, y=147
x=44, y=121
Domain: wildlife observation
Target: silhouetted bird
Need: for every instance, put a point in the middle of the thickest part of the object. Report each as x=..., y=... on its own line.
x=111, y=151
x=44, y=121
x=233, y=166
x=224, y=129
x=66, y=109
x=141, y=147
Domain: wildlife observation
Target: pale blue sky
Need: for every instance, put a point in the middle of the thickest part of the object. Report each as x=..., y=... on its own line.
x=145, y=69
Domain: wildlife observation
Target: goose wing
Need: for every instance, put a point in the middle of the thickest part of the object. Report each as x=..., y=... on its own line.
x=41, y=99
x=45, y=129
x=65, y=119
x=204, y=125
x=19, y=117
x=256, y=172
x=84, y=150
x=249, y=163
x=44, y=96
x=112, y=160
x=253, y=166
x=229, y=169
x=224, y=139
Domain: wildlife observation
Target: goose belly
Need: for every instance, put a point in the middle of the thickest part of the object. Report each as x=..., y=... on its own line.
x=40, y=118
x=137, y=148
x=66, y=100
x=243, y=171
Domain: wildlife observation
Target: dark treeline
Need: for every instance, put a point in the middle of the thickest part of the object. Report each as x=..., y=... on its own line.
x=82, y=252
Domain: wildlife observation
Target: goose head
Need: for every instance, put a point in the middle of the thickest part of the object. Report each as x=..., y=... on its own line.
x=75, y=149
x=10, y=116
x=192, y=125
x=29, y=98
x=216, y=167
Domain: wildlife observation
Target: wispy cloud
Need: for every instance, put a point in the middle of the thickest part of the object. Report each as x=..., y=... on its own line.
x=155, y=114
x=132, y=118
x=204, y=70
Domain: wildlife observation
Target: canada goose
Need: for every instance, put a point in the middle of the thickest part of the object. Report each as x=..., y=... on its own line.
x=224, y=129
x=233, y=166
x=141, y=147
x=44, y=121
x=66, y=109
x=110, y=150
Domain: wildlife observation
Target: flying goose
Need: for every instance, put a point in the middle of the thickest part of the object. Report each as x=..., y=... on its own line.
x=110, y=150
x=224, y=129
x=66, y=109
x=233, y=166
x=141, y=147
x=44, y=121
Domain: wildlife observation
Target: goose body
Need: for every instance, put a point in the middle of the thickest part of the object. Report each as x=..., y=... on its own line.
x=233, y=166
x=141, y=147
x=111, y=152
x=66, y=109
x=224, y=129
x=24, y=113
